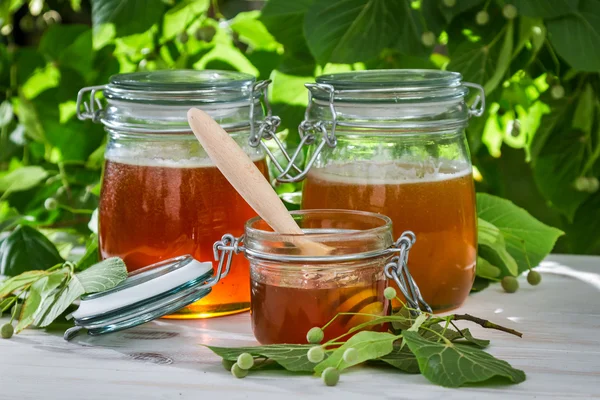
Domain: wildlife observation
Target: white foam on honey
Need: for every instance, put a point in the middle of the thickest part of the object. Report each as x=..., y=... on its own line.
x=171, y=160
x=363, y=173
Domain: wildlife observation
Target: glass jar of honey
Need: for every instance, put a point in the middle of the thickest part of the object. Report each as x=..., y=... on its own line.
x=294, y=290
x=393, y=142
x=161, y=195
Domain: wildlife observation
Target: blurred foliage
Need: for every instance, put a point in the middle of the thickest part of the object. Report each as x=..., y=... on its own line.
x=538, y=143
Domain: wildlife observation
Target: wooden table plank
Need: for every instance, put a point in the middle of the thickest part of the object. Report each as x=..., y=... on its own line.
x=560, y=352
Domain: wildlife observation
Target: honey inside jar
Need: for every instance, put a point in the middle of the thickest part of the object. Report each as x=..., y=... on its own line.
x=293, y=291
x=157, y=210
x=438, y=206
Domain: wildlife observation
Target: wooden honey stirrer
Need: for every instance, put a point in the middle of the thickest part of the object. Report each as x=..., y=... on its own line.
x=245, y=177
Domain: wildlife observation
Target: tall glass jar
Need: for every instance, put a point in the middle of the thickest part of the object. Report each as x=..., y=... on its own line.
x=393, y=142
x=161, y=195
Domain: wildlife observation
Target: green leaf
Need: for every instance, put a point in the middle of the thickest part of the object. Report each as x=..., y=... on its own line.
x=285, y=19
x=453, y=365
x=102, y=276
x=545, y=8
x=556, y=167
x=584, y=112
x=474, y=60
x=290, y=356
x=69, y=46
x=253, y=32
x=408, y=39
x=347, y=31
x=368, y=345
x=38, y=292
x=26, y=249
x=178, y=18
x=486, y=270
x=480, y=284
x=9, y=216
x=403, y=359
x=527, y=240
x=490, y=236
x=553, y=120
x=229, y=55
x=459, y=8
x=576, y=37
x=20, y=281
x=467, y=337
x=91, y=254
x=128, y=16
x=55, y=304
x=504, y=59
x=23, y=178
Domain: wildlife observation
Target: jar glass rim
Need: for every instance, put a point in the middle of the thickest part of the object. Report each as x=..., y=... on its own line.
x=352, y=235
x=381, y=223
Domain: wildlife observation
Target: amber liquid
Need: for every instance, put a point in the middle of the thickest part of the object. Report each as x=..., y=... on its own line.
x=285, y=314
x=439, y=209
x=152, y=213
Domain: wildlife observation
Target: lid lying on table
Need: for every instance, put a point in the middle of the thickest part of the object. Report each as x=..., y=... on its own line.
x=147, y=294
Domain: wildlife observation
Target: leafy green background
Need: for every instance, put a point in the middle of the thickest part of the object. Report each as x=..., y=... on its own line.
x=531, y=146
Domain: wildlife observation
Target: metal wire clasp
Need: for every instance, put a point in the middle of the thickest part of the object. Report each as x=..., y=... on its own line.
x=478, y=106
x=91, y=108
x=397, y=269
x=309, y=130
x=223, y=251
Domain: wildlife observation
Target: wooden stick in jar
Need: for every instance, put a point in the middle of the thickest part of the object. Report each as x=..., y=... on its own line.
x=246, y=178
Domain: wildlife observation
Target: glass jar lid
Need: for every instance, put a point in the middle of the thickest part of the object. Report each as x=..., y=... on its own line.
x=403, y=98
x=182, y=86
x=147, y=294
x=158, y=101
x=392, y=85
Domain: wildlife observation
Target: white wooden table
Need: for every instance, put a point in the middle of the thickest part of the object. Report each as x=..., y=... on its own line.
x=560, y=353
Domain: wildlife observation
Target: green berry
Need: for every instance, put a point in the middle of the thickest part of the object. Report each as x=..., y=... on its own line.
x=183, y=37
x=510, y=284
x=534, y=278
x=205, y=33
x=557, y=92
x=593, y=184
x=482, y=17
x=449, y=3
x=245, y=361
x=509, y=11
x=227, y=364
x=50, y=204
x=350, y=355
x=315, y=354
x=581, y=184
x=428, y=38
x=315, y=335
x=331, y=376
x=238, y=372
x=7, y=331
x=389, y=293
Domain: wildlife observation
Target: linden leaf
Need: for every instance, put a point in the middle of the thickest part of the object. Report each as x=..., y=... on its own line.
x=292, y=357
x=453, y=364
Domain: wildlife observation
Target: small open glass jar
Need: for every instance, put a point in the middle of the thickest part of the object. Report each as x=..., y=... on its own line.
x=293, y=290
